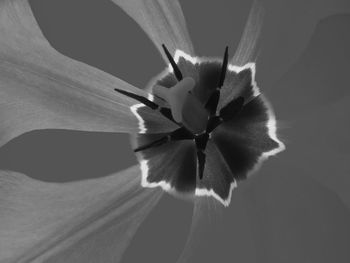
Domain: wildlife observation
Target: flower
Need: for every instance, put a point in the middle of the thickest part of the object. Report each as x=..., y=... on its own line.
x=25, y=108
x=229, y=145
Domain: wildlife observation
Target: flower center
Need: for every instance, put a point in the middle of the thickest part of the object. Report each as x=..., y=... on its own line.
x=186, y=109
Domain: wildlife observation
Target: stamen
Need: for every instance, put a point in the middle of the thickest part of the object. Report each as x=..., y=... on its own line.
x=232, y=109
x=201, y=144
x=213, y=122
x=226, y=113
x=177, y=135
x=223, y=68
x=176, y=69
x=201, y=141
x=141, y=99
x=201, y=157
x=213, y=100
x=166, y=112
x=155, y=143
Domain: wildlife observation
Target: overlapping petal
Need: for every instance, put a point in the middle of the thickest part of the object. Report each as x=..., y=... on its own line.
x=41, y=89
x=313, y=105
x=320, y=77
x=299, y=202
x=238, y=146
x=269, y=188
x=84, y=221
x=277, y=33
x=319, y=142
x=163, y=21
x=282, y=215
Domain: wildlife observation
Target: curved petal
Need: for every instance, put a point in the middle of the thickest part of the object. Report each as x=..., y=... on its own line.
x=280, y=212
x=327, y=127
x=171, y=166
x=287, y=29
x=85, y=221
x=247, y=48
x=248, y=139
x=319, y=142
x=41, y=89
x=163, y=21
x=218, y=181
x=320, y=76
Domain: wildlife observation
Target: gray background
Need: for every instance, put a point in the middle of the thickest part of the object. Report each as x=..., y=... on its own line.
x=278, y=216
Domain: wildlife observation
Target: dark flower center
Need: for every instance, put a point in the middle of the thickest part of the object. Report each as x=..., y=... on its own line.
x=226, y=128
x=193, y=103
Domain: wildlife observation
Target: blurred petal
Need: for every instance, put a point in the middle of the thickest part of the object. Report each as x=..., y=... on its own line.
x=282, y=215
x=319, y=142
x=41, y=89
x=320, y=76
x=327, y=128
x=85, y=221
x=247, y=48
x=163, y=21
x=286, y=31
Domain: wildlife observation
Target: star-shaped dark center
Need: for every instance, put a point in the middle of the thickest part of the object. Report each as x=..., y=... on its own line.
x=195, y=120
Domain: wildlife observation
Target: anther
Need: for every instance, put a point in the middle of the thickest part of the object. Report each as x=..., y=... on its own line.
x=176, y=69
x=213, y=100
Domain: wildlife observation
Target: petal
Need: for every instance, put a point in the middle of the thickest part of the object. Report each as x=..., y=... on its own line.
x=42, y=89
x=319, y=142
x=280, y=216
x=248, y=139
x=327, y=128
x=320, y=76
x=163, y=21
x=218, y=180
x=171, y=166
x=247, y=47
x=85, y=221
x=288, y=26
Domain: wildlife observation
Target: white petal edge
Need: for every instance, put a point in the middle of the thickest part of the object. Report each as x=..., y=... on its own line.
x=271, y=126
x=43, y=89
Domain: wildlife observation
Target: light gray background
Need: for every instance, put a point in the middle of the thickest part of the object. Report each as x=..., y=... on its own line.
x=296, y=222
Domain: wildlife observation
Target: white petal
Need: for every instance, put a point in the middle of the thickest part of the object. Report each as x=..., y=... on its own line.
x=162, y=20
x=40, y=88
x=85, y=221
